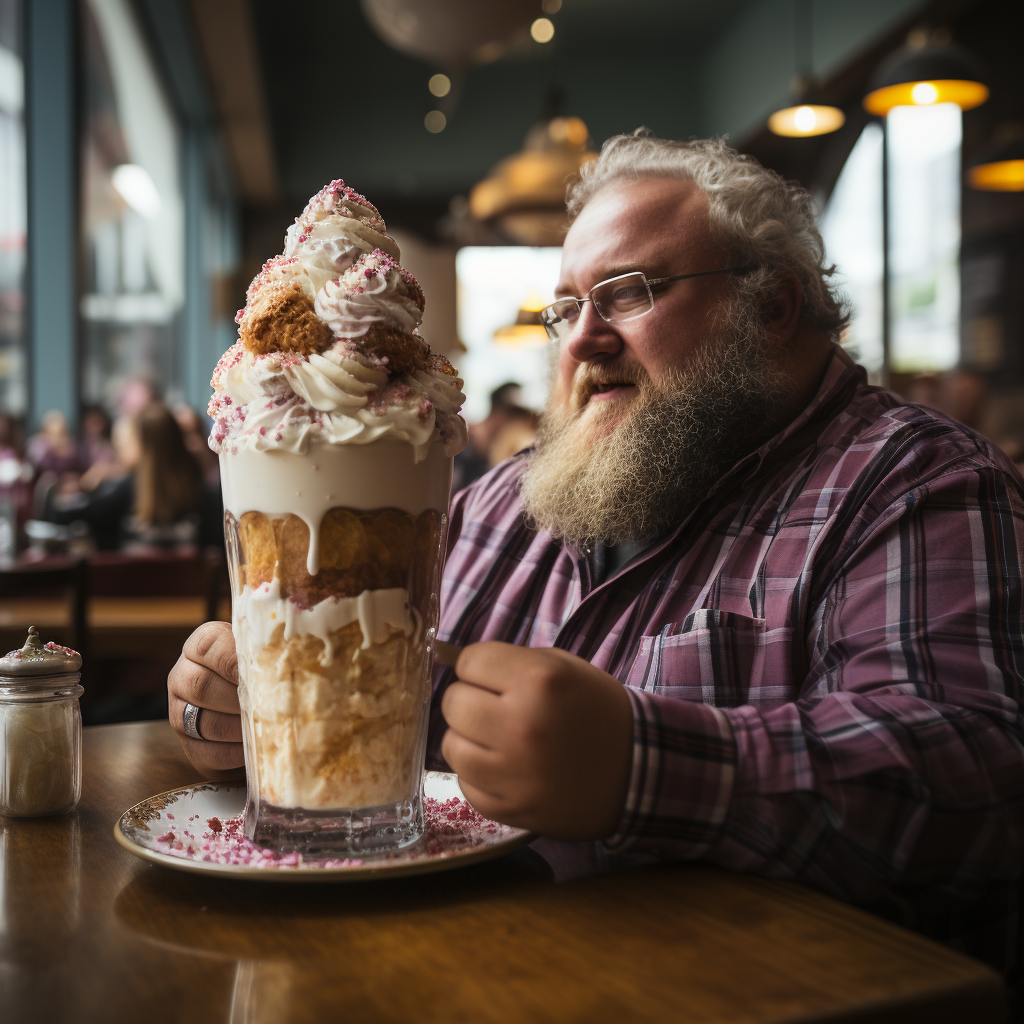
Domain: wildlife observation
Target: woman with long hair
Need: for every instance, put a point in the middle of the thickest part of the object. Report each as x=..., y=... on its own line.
x=157, y=496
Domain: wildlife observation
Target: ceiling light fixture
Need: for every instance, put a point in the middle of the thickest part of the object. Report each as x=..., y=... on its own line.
x=439, y=85
x=806, y=115
x=928, y=70
x=1000, y=167
x=543, y=30
x=523, y=198
x=527, y=331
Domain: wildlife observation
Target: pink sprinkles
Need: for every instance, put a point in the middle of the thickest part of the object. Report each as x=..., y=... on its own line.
x=449, y=827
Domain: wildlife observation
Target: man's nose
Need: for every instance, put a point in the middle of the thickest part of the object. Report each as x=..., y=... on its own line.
x=591, y=337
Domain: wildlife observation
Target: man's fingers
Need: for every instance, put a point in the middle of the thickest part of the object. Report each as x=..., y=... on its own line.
x=213, y=757
x=474, y=712
x=213, y=645
x=471, y=761
x=490, y=806
x=490, y=664
x=203, y=687
x=213, y=725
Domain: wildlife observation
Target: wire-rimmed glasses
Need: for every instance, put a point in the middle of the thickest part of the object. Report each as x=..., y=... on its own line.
x=625, y=297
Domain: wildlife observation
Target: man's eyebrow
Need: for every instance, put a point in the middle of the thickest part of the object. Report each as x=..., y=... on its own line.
x=617, y=271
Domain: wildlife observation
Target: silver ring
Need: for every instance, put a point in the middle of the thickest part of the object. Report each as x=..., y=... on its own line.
x=190, y=719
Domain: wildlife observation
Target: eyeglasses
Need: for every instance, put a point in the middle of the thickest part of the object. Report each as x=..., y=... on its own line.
x=625, y=297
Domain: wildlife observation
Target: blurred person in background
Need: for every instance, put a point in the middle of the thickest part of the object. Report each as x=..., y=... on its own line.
x=519, y=431
x=53, y=449
x=153, y=495
x=95, y=444
x=134, y=394
x=11, y=443
x=506, y=413
x=196, y=433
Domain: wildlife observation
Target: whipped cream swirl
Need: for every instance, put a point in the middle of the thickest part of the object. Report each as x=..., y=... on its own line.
x=338, y=256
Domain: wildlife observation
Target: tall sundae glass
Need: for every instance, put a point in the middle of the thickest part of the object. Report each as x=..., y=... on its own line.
x=336, y=427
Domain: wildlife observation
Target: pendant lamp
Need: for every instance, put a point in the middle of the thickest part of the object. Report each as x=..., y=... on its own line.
x=1000, y=168
x=527, y=331
x=926, y=71
x=806, y=114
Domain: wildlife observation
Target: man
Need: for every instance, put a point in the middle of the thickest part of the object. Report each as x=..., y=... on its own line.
x=811, y=591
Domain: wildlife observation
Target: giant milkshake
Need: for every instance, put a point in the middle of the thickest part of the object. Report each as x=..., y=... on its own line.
x=336, y=427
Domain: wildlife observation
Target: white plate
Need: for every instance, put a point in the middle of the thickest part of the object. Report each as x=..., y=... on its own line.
x=177, y=829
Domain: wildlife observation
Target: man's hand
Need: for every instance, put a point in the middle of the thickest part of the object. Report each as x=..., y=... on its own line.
x=206, y=675
x=540, y=739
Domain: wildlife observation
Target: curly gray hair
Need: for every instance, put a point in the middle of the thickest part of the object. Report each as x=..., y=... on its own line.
x=763, y=221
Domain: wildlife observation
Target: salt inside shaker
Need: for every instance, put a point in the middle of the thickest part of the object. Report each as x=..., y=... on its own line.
x=40, y=729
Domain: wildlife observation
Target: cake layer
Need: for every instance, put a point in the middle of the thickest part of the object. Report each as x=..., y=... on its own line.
x=356, y=551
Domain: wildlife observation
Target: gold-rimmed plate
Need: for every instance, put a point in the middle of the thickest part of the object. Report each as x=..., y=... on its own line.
x=198, y=829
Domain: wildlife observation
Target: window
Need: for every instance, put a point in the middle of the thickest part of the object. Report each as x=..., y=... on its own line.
x=13, y=213
x=494, y=283
x=924, y=242
x=924, y=251
x=132, y=213
x=852, y=230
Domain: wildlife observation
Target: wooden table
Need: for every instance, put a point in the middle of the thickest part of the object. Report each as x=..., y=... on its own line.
x=88, y=932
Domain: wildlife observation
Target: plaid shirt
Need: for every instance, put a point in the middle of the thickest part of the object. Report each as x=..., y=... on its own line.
x=824, y=659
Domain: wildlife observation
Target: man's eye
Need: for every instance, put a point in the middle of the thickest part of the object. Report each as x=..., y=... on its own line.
x=628, y=293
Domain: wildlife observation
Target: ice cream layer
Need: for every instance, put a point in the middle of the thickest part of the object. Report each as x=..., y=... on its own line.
x=260, y=612
x=340, y=735
x=329, y=350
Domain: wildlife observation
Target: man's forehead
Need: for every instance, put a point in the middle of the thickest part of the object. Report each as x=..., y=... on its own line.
x=643, y=223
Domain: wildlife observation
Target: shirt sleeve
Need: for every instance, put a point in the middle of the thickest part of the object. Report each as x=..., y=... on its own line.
x=902, y=760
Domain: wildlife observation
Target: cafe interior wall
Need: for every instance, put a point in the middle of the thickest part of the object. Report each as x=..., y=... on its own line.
x=681, y=67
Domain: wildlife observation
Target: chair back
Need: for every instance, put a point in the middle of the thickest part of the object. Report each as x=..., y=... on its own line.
x=53, y=578
x=186, y=573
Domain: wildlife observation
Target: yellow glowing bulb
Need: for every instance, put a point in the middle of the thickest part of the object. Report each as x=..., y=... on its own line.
x=805, y=119
x=435, y=121
x=543, y=30
x=999, y=176
x=924, y=94
x=439, y=85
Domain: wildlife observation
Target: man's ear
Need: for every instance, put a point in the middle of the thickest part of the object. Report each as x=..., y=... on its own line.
x=782, y=315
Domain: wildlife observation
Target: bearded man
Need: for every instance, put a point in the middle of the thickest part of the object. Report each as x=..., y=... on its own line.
x=737, y=605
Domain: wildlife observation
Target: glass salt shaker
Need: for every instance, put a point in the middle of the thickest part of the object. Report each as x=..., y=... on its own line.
x=40, y=729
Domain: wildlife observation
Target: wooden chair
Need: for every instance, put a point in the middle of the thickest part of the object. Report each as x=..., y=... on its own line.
x=50, y=578
x=159, y=574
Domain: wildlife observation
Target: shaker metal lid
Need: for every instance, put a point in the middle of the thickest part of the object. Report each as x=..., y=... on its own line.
x=39, y=659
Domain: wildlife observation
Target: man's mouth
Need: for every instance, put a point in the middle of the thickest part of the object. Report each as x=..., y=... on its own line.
x=610, y=389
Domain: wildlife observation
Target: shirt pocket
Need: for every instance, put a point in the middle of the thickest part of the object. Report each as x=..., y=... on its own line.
x=711, y=656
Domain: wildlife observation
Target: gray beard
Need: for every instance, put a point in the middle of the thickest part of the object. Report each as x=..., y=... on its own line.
x=680, y=436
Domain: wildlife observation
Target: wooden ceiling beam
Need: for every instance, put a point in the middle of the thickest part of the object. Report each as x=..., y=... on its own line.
x=227, y=42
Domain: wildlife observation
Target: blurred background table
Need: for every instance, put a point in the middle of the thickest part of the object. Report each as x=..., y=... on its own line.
x=128, y=613
x=92, y=933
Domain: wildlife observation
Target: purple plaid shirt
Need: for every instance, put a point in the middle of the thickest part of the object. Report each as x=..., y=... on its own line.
x=824, y=659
